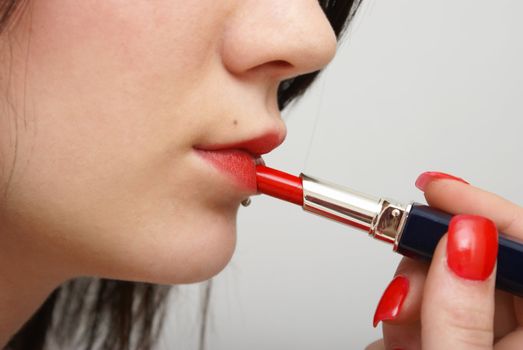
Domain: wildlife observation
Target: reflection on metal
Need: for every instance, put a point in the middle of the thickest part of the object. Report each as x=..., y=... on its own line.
x=381, y=218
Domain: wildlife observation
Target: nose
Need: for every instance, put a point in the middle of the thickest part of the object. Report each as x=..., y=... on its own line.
x=282, y=38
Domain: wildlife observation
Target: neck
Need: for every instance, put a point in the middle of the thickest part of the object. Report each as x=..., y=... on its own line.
x=18, y=302
x=26, y=280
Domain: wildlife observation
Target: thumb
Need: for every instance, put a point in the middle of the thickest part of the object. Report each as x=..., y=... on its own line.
x=458, y=304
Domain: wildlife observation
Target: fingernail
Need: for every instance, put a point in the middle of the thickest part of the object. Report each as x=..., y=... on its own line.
x=392, y=299
x=472, y=246
x=427, y=177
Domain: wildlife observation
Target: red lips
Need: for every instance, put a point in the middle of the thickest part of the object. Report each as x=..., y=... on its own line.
x=239, y=159
x=238, y=164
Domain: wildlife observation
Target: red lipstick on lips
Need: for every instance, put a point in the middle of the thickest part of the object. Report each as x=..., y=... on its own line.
x=239, y=159
x=238, y=164
x=414, y=230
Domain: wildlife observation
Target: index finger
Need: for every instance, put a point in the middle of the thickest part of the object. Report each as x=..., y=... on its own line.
x=457, y=197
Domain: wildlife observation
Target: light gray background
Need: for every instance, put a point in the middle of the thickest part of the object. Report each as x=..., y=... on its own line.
x=416, y=86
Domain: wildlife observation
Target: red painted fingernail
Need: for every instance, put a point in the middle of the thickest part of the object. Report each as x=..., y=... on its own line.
x=427, y=177
x=392, y=299
x=472, y=246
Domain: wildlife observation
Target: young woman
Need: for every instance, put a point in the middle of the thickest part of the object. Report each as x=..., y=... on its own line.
x=121, y=124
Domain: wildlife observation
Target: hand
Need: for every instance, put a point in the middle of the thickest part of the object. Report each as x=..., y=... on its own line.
x=453, y=303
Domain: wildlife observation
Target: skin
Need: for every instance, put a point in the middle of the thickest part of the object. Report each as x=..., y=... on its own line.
x=104, y=101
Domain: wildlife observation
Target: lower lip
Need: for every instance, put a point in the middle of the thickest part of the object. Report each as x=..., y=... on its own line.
x=238, y=164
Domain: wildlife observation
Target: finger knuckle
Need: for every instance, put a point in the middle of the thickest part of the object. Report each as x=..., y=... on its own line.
x=513, y=218
x=477, y=339
x=472, y=327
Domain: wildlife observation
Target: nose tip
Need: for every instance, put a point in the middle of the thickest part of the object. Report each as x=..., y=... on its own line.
x=316, y=51
x=296, y=39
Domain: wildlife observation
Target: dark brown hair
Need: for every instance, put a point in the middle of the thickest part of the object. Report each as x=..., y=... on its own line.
x=118, y=315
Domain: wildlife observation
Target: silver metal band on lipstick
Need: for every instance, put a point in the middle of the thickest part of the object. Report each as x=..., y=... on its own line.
x=381, y=218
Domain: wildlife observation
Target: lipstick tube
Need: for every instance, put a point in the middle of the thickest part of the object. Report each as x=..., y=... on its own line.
x=413, y=230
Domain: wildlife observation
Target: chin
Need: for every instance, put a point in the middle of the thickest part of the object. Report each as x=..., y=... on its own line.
x=187, y=257
x=206, y=263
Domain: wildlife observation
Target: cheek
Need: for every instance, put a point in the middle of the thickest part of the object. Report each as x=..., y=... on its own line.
x=191, y=255
x=109, y=76
x=93, y=181
x=118, y=220
x=163, y=39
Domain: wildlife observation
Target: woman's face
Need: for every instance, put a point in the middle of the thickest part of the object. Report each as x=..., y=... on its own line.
x=107, y=106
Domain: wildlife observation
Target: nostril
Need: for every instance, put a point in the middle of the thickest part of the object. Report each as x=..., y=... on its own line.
x=281, y=64
x=280, y=68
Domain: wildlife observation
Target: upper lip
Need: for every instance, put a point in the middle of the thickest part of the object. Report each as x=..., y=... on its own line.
x=255, y=146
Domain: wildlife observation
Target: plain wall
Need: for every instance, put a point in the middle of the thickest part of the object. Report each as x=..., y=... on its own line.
x=415, y=86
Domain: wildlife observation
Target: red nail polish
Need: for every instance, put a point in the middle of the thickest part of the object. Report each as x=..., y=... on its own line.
x=392, y=299
x=472, y=246
x=425, y=178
